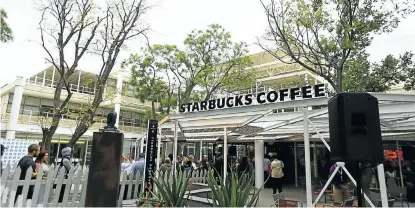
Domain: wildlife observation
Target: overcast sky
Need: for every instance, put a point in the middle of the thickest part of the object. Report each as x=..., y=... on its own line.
x=170, y=21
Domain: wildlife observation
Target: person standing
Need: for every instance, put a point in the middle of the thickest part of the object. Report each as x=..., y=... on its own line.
x=267, y=163
x=205, y=162
x=138, y=166
x=25, y=163
x=276, y=175
x=42, y=164
x=1, y=160
x=67, y=164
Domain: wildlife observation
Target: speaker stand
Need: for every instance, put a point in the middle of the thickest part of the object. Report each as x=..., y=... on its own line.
x=358, y=185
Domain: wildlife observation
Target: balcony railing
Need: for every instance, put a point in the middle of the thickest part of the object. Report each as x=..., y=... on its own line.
x=36, y=118
x=72, y=87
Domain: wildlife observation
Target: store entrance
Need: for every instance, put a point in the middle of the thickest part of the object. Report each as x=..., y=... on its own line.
x=285, y=152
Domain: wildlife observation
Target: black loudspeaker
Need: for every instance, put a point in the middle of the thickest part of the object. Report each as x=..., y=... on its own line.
x=232, y=151
x=408, y=153
x=355, y=133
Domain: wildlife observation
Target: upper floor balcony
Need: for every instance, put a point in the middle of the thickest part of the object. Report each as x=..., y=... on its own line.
x=70, y=121
x=83, y=85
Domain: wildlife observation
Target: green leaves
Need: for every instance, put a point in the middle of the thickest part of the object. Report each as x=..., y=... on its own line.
x=323, y=35
x=172, y=193
x=6, y=33
x=235, y=192
x=363, y=76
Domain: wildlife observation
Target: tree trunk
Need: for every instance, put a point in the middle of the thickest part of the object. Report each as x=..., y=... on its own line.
x=153, y=110
x=339, y=81
x=86, y=121
x=47, y=135
x=80, y=130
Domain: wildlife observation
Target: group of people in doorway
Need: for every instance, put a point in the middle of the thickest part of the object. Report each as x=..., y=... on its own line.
x=38, y=159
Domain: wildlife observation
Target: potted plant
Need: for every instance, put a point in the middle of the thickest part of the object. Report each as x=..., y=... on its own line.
x=235, y=192
x=148, y=199
x=173, y=192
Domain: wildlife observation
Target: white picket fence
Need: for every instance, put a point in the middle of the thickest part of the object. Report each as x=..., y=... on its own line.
x=46, y=191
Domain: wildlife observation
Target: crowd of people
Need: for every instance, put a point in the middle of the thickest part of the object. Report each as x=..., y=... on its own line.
x=38, y=159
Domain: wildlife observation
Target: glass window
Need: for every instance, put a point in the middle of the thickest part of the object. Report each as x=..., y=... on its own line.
x=47, y=102
x=27, y=110
x=32, y=101
x=11, y=95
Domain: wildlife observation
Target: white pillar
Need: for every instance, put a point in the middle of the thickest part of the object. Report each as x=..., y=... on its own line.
x=86, y=151
x=315, y=159
x=14, y=113
x=295, y=164
x=79, y=80
x=259, y=163
x=117, y=99
x=174, y=162
x=142, y=145
x=53, y=77
x=225, y=154
x=44, y=78
x=382, y=185
x=158, y=153
x=307, y=159
x=201, y=150
x=399, y=163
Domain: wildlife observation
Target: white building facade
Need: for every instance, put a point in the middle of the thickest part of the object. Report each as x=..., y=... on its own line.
x=27, y=104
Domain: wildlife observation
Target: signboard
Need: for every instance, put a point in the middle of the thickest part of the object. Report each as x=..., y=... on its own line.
x=151, y=153
x=16, y=149
x=273, y=96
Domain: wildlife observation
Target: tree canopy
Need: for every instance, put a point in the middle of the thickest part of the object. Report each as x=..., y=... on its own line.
x=322, y=35
x=362, y=76
x=6, y=33
x=210, y=63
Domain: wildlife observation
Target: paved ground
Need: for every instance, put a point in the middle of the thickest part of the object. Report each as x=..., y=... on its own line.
x=266, y=199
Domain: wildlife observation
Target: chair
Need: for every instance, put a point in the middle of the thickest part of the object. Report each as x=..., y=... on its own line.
x=287, y=203
x=396, y=192
x=390, y=203
x=348, y=202
x=399, y=194
x=278, y=196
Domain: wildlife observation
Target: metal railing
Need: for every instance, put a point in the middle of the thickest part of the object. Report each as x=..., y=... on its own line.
x=34, y=117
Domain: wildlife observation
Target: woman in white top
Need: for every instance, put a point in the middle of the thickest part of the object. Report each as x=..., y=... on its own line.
x=42, y=163
x=276, y=175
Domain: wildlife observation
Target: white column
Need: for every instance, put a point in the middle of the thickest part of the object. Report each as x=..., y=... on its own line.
x=176, y=125
x=225, y=154
x=44, y=78
x=79, y=80
x=86, y=151
x=117, y=99
x=53, y=77
x=142, y=145
x=259, y=163
x=14, y=113
x=158, y=153
x=399, y=163
x=382, y=185
x=295, y=164
x=315, y=159
x=307, y=159
x=201, y=150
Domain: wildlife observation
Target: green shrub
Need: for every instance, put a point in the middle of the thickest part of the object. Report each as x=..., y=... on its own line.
x=235, y=192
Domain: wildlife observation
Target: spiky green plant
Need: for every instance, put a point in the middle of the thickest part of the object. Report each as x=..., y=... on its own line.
x=172, y=192
x=235, y=192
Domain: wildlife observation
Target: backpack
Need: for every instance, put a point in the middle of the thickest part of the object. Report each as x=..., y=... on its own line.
x=277, y=171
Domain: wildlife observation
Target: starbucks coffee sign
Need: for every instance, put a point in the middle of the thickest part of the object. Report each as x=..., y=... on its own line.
x=296, y=93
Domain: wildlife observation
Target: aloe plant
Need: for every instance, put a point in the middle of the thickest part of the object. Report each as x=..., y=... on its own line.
x=235, y=192
x=172, y=192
